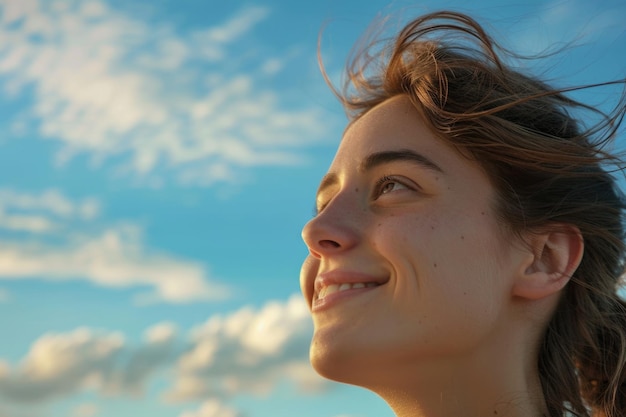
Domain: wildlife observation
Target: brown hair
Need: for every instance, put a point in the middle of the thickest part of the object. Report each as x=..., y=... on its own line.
x=548, y=168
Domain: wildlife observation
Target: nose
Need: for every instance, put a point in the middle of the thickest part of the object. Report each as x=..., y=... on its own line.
x=334, y=230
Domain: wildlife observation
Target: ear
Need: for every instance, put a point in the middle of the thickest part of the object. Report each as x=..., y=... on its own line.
x=555, y=256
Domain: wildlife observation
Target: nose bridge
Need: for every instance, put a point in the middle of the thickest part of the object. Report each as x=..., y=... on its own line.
x=337, y=226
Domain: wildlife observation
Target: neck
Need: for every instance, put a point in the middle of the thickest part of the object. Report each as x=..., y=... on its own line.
x=498, y=382
x=455, y=396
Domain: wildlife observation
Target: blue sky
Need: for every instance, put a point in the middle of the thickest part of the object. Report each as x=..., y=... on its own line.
x=157, y=162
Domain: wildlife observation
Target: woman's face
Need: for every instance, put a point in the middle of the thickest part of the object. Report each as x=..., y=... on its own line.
x=407, y=263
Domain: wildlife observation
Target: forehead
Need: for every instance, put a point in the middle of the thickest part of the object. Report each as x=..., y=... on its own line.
x=396, y=125
x=392, y=125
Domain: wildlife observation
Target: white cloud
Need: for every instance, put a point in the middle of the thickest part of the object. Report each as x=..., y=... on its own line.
x=106, y=84
x=159, y=349
x=248, y=351
x=62, y=364
x=272, y=66
x=85, y=410
x=107, y=256
x=161, y=333
x=58, y=364
x=116, y=258
x=41, y=212
x=212, y=408
x=30, y=223
x=233, y=29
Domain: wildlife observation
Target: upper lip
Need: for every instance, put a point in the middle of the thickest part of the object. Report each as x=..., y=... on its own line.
x=339, y=277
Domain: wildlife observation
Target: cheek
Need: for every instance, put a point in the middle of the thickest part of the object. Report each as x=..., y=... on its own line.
x=451, y=259
x=412, y=239
x=473, y=274
x=405, y=228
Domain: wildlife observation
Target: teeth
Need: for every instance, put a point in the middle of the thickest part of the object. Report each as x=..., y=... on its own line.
x=333, y=288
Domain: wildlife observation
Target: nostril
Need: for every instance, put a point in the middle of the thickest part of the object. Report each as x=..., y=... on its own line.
x=329, y=244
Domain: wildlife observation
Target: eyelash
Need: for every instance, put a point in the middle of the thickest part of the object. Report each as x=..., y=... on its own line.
x=383, y=181
x=380, y=183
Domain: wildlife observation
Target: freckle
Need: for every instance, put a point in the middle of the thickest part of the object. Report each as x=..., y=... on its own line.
x=482, y=213
x=462, y=237
x=432, y=227
x=435, y=265
x=380, y=224
x=356, y=190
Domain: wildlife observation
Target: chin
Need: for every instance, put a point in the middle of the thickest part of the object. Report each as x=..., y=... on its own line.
x=347, y=364
x=334, y=362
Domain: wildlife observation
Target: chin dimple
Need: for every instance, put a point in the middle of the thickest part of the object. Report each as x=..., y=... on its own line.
x=333, y=288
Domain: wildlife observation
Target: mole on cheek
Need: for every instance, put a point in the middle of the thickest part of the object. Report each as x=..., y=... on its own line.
x=356, y=190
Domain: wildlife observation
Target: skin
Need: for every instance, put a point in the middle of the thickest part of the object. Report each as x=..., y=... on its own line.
x=443, y=326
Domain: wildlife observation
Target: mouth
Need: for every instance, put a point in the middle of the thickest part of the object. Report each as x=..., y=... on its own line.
x=331, y=287
x=334, y=288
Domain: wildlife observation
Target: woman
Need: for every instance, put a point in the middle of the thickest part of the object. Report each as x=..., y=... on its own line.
x=466, y=255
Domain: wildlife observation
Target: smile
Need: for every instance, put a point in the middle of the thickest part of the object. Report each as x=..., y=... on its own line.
x=334, y=294
x=334, y=288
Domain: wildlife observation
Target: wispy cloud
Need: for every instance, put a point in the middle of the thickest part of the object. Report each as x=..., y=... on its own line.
x=41, y=212
x=85, y=410
x=560, y=22
x=247, y=352
x=116, y=258
x=233, y=29
x=170, y=104
x=112, y=256
x=212, y=408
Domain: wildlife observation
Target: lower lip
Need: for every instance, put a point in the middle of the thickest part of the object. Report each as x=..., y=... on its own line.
x=338, y=297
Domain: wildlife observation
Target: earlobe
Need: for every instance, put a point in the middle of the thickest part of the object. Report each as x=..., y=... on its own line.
x=556, y=256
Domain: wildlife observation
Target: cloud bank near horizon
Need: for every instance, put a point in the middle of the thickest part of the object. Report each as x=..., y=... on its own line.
x=247, y=352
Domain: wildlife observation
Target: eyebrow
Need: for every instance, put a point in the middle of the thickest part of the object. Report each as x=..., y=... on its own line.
x=380, y=158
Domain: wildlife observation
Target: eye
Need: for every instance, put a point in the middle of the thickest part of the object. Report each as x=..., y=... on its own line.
x=386, y=185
